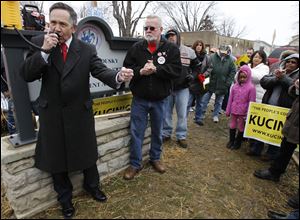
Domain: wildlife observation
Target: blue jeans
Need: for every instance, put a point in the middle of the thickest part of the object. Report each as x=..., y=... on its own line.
x=180, y=99
x=217, y=107
x=198, y=106
x=140, y=108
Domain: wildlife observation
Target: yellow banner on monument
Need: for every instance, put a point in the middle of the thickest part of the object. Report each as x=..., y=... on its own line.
x=112, y=104
x=265, y=123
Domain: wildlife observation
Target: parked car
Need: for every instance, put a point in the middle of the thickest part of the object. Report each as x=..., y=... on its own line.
x=275, y=54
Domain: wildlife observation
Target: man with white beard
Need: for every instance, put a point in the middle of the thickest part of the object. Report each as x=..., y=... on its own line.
x=155, y=63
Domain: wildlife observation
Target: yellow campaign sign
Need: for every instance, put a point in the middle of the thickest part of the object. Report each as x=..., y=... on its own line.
x=265, y=123
x=244, y=58
x=112, y=104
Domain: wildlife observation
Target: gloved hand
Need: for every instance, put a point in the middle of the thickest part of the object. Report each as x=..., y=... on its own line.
x=201, y=78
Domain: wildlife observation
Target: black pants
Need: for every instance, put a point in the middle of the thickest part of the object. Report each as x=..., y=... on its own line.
x=64, y=187
x=225, y=100
x=280, y=164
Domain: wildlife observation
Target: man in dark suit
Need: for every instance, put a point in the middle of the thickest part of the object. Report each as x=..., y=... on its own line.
x=67, y=139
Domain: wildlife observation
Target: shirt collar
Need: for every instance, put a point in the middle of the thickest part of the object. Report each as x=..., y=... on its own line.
x=68, y=42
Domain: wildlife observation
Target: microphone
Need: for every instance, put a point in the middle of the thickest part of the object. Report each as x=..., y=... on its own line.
x=49, y=51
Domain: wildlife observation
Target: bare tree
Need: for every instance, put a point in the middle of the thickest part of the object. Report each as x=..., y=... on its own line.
x=229, y=28
x=82, y=11
x=187, y=15
x=127, y=20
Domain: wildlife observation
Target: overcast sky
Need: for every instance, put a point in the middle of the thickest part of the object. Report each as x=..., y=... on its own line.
x=261, y=18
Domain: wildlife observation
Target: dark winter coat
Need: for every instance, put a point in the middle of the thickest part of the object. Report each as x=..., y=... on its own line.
x=291, y=126
x=66, y=138
x=156, y=86
x=268, y=82
x=222, y=74
x=190, y=63
x=196, y=87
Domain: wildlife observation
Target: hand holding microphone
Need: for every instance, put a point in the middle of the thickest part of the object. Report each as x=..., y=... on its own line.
x=50, y=41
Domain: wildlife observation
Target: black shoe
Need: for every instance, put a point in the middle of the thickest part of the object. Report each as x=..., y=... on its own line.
x=232, y=133
x=200, y=123
x=252, y=154
x=97, y=194
x=266, y=174
x=276, y=215
x=294, y=201
x=229, y=144
x=238, y=141
x=68, y=209
x=166, y=139
x=182, y=143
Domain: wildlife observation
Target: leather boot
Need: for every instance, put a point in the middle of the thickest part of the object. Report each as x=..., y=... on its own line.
x=238, y=141
x=231, y=138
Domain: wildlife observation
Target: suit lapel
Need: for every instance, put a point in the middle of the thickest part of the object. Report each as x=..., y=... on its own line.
x=72, y=57
x=57, y=59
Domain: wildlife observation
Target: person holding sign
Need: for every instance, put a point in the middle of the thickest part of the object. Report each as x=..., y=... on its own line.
x=289, y=142
x=242, y=93
x=276, y=85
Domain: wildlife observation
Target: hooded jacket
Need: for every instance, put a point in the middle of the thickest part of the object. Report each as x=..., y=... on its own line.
x=271, y=84
x=189, y=62
x=241, y=95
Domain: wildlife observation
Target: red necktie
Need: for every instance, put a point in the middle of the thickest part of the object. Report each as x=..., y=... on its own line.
x=64, y=48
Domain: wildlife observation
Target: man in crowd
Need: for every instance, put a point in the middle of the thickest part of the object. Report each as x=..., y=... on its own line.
x=67, y=139
x=180, y=95
x=155, y=62
x=221, y=78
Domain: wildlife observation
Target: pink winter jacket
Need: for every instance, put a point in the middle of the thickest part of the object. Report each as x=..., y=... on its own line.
x=241, y=95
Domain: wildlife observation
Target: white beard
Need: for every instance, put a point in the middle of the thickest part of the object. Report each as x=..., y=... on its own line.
x=150, y=38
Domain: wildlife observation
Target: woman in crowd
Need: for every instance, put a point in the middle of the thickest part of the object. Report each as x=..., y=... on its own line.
x=276, y=85
x=197, y=88
x=259, y=68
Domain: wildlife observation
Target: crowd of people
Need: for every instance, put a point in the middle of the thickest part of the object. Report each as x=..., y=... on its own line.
x=163, y=74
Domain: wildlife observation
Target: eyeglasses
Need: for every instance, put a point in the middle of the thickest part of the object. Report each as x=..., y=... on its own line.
x=291, y=61
x=151, y=28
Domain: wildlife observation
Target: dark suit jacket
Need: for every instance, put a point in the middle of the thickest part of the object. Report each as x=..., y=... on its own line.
x=66, y=139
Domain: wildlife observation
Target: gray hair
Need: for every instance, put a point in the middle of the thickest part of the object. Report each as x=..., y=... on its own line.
x=155, y=17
